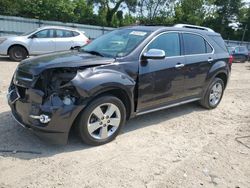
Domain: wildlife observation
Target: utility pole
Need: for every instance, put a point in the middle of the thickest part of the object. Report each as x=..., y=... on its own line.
x=244, y=32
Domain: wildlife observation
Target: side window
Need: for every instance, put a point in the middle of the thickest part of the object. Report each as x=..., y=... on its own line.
x=75, y=33
x=47, y=33
x=209, y=49
x=193, y=44
x=169, y=42
x=68, y=34
x=63, y=33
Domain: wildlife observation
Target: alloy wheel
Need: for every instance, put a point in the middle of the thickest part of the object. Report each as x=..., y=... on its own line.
x=215, y=94
x=103, y=121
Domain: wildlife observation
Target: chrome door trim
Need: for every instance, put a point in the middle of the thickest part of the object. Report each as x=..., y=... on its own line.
x=168, y=106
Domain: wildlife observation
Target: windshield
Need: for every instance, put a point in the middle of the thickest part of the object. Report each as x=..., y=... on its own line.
x=117, y=43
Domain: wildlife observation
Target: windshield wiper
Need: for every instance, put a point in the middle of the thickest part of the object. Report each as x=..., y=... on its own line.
x=94, y=53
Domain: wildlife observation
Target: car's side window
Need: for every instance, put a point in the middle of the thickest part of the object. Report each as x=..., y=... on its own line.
x=209, y=49
x=47, y=33
x=168, y=42
x=75, y=33
x=63, y=33
x=195, y=44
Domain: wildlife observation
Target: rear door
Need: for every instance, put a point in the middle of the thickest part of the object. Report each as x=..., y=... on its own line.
x=161, y=80
x=199, y=57
x=64, y=39
x=42, y=42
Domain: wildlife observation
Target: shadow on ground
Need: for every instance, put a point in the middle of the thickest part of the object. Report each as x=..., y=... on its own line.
x=5, y=58
x=16, y=138
x=248, y=66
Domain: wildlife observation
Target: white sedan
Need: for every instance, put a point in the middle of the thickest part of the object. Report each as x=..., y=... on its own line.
x=40, y=41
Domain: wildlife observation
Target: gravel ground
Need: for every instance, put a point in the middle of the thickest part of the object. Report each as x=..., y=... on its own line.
x=185, y=146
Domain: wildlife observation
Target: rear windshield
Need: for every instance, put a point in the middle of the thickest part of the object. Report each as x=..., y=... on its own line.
x=219, y=41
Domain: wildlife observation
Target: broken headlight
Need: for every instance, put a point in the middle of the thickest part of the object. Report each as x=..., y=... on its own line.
x=55, y=83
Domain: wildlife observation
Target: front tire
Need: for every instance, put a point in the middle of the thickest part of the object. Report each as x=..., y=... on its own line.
x=17, y=53
x=101, y=121
x=214, y=94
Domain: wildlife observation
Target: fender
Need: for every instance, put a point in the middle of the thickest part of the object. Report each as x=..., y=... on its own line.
x=18, y=44
x=92, y=82
x=217, y=68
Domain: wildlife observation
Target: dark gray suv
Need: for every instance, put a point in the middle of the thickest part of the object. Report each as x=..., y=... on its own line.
x=128, y=72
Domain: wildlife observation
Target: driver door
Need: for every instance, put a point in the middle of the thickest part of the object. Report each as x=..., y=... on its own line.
x=161, y=80
x=42, y=42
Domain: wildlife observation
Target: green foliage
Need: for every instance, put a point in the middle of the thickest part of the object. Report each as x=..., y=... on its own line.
x=9, y=7
x=244, y=19
x=112, y=7
x=59, y=10
x=190, y=11
x=217, y=14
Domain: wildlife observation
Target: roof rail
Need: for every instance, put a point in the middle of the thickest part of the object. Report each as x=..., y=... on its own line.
x=193, y=27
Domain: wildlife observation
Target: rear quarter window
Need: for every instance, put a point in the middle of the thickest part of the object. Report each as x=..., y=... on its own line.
x=194, y=44
x=75, y=33
x=219, y=41
x=63, y=33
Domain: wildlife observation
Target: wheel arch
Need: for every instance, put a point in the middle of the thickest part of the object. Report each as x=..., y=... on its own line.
x=92, y=83
x=120, y=94
x=223, y=76
x=13, y=45
x=114, y=91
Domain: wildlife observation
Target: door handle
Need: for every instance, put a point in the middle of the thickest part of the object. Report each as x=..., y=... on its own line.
x=179, y=65
x=210, y=59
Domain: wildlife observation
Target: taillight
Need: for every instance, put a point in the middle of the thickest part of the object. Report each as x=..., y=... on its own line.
x=88, y=41
x=231, y=58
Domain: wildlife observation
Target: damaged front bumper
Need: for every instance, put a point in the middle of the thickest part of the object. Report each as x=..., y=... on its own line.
x=60, y=117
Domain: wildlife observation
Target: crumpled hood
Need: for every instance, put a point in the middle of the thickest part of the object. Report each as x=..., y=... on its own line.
x=62, y=59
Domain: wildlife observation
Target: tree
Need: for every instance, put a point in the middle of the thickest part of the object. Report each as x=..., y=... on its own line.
x=9, y=7
x=59, y=10
x=190, y=12
x=84, y=12
x=227, y=11
x=244, y=20
x=152, y=9
x=112, y=7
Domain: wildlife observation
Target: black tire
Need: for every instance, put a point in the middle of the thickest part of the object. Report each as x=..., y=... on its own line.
x=205, y=101
x=83, y=120
x=244, y=59
x=18, y=53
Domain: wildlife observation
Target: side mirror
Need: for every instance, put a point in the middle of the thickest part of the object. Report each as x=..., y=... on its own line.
x=33, y=36
x=154, y=54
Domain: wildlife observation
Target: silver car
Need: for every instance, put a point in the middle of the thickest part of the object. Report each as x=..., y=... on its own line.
x=40, y=41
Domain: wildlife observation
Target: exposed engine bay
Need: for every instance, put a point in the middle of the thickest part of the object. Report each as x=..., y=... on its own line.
x=55, y=83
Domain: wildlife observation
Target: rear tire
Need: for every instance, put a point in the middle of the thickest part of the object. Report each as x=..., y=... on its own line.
x=214, y=94
x=17, y=53
x=244, y=60
x=101, y=121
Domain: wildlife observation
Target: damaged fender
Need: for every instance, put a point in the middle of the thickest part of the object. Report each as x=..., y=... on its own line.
x=92, y=82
